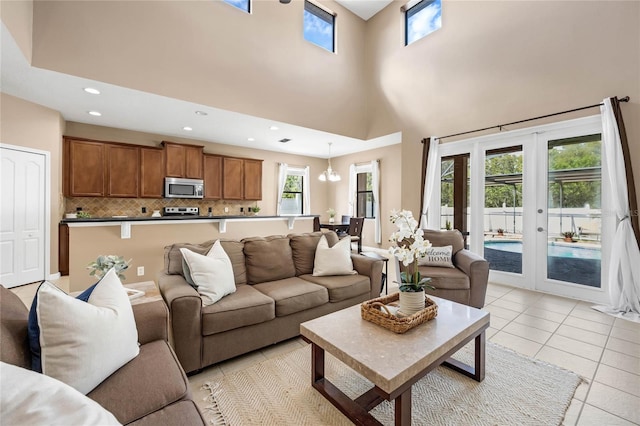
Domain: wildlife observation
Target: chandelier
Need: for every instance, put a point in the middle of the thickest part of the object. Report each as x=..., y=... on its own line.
x=329, y=174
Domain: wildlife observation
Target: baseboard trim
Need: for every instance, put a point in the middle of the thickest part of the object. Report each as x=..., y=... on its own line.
x=55, y=276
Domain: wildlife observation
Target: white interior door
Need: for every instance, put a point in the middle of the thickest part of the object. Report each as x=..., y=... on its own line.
x=22, y=217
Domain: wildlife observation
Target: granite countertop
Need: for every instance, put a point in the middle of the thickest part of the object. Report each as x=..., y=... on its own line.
x=169, y=218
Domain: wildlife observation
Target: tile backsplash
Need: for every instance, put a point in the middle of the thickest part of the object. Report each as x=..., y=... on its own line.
x=107, y=207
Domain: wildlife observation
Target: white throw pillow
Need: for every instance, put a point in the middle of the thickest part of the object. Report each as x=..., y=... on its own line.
x=82, y=341
x=334, y=260
x=212, y=274
x=438, y=256
x=30, y=398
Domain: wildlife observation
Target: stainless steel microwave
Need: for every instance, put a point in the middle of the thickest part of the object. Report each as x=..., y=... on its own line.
x=183, y=188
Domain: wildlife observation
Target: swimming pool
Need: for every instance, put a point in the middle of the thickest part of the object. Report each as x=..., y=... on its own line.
x=553, y=250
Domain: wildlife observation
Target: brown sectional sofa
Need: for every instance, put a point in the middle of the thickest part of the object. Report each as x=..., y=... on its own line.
x=467, y=282
x=275, y=292
x=151, y=389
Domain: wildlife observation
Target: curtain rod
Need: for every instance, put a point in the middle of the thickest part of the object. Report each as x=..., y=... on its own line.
x=500, y=126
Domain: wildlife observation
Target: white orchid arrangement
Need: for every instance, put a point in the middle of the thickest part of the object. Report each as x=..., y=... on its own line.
x=410, y=246
x=331, y=212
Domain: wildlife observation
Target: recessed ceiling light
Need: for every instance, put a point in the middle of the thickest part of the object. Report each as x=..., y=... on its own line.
x=187, y=128
x=201, y=113
x=284, y=140
x=251, y=139
x=92, y=90
x=95, y=113
x=274, y=128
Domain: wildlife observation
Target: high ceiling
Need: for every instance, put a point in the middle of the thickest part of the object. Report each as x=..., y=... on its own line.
x=146, y=112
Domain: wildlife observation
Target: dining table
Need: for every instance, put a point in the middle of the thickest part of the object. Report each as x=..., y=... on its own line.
x=339, y=228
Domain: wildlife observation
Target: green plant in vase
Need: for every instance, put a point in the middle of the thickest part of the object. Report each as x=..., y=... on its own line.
x=103, y=263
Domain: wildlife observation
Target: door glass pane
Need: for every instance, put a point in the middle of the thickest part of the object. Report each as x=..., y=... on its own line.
x=503, y=209
x=446, y=193
x=574, y=210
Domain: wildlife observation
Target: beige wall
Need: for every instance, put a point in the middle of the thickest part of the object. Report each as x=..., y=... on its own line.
x=211, y=53
x=496, y=62
x=147, y=242
x=269, y=165
x=33, y=126
x=18, y=17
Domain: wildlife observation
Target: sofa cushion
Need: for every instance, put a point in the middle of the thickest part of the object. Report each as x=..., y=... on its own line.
x=179, y=413
x=247, y=306
x=14, y=341
x=294, y=295
x=30, y=398
x=439, y=238
x=446, y=278
x=303, y=248
x=334, y=260
x=81, y=341
x=212, y=274
x=268, y=259
x=342, y=287
x=149, y=382
x=173, y=257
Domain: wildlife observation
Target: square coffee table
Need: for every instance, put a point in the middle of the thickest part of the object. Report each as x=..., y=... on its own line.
x=392, y=362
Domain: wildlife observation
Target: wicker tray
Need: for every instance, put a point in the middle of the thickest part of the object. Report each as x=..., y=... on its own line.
x=377, y=312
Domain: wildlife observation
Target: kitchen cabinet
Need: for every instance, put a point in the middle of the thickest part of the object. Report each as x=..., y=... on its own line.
x=183, y=161
x=233, y=178
x=122, y=169
x=83, y=168
x=252, y=179
x=151, y=172
x=212, y=177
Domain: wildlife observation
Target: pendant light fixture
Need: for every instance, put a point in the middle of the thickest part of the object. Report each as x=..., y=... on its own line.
x=329, y=174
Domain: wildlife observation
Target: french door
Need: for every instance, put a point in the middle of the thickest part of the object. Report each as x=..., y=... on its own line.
x=533, y=206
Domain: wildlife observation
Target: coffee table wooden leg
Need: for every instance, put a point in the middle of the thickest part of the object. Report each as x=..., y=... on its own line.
x=477, y=372
x=317, y=363
x=403, y=409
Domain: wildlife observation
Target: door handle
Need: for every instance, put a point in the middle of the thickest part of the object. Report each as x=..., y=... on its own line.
x=540, y=229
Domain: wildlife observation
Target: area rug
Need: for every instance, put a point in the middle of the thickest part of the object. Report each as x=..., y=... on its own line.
x=517, y=390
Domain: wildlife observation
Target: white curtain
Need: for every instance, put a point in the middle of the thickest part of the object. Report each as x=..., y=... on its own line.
x=426, y=220
x=375, y=181
x=282, y=180
x=352, y=190
x=306, y=191
x=624, y=265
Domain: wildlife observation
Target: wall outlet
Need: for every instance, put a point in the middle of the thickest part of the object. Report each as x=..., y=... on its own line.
x=140, y=271
x=144, y=210
x=226, y=209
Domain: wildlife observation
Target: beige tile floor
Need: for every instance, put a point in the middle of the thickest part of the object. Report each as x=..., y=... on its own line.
x=561, y=331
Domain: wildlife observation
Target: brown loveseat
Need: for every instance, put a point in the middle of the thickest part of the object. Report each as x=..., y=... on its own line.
x=467, y=282
x=151, y=389
x=275, y=292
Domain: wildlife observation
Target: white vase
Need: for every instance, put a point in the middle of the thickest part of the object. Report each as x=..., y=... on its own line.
x=411, y=302
x=331, y=220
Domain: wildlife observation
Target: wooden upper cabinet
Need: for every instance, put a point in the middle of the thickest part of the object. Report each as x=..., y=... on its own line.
x=252, y=179
x=212, y=177
x=123, y=166
x=151, y=172
x=183, y=161
x=233, y=178
x=84, y=168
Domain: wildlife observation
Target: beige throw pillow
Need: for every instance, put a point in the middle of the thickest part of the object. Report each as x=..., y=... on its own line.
x=334, y=260
x=212, y=274
x=437, y=256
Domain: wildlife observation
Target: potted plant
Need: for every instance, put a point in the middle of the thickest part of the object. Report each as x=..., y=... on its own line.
x=105, y=262
x=410, y=246
x=256, y=209
x=447, y=225
x=568, y=236
x=332, y=215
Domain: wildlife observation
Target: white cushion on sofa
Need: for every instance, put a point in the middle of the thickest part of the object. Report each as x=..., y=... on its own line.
x=437, y=256
x=212, y=274
x=82, y=341
x=30, y=398
x=334, y=260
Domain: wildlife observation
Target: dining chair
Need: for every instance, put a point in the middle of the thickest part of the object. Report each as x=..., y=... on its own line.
x=316, y=224
x=355, y=231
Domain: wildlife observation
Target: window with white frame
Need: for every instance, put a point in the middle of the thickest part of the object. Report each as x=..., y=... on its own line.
x=364, y=197
x=421, y=18
x=240, y=4
x=364, y=193
x=319, y=26
x=293, y=190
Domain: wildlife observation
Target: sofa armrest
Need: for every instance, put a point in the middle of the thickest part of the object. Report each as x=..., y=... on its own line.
x=477, y=269
x=372, y=268
x=152, y=321
x=185, y=310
